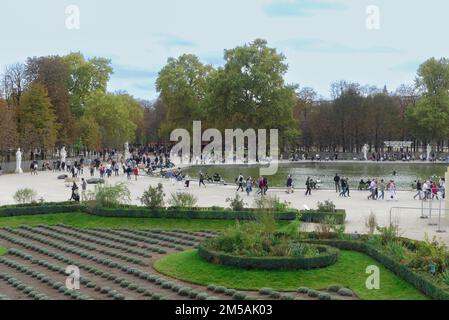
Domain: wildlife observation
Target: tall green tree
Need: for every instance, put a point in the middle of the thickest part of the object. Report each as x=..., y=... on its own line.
x=182, y=85
x=37, y=125
x=86, y=76
x=250, y=92
x=116, y=116
x=53, y=73
x=429, y=118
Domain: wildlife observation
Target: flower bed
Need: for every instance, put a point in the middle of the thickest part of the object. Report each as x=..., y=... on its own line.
x=326, y=257
x=424, y=282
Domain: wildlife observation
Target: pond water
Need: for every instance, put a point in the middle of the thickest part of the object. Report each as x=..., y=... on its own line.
x=406, y=173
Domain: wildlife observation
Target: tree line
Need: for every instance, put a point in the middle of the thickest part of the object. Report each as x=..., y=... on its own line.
x=52, y=101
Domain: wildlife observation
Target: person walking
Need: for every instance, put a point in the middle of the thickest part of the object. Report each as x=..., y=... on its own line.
x=265, y=185
x=337, y=183
x=418, y=190
x=75, y=193
x=240, y=182
x=136, y=172
x=308, y=187
x=249, y=186
x=372, y=189
x=289, y=184
x=434, y=190
x=382, y=189
x=347, y=187
x=201, y=180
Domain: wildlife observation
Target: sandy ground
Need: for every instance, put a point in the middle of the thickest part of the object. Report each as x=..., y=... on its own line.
x=405, y=211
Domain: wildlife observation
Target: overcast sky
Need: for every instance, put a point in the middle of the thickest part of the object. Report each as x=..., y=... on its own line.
x=323, y=40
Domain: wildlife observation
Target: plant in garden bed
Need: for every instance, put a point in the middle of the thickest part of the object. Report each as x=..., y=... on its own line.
x=182, y=200
x=237, y=203
x=153, y=197
x=25, y=196
x=109, y=196
x=271, y=203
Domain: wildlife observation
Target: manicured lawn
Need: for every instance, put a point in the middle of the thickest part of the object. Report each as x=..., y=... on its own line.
x=349, y=271
x=2, y=251
x=83, y=220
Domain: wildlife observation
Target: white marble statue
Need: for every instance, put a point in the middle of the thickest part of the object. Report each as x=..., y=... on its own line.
x=127, y=153
x=63, y=154
x=429, y=150
x=365, y=151
x=19, y=161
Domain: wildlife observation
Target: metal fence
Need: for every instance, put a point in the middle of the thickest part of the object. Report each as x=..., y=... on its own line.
x=430, y=217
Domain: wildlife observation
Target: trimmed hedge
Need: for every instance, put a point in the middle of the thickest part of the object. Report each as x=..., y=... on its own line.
x=181, y=213
x=317, y=217
x=422, y=281
x=328, y=256
x=213, y=213
x=38, y=208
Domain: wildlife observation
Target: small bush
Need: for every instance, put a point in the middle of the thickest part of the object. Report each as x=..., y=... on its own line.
x=183, y=200
x=25, y=196
x=265, y=291
x=345, y=292
x=220, y=289
x=108, y=196
x=313, y=293
x=237, y=203
x=153, y=197
x=303, y=290
x=334, y=288
x=324, y=296
x=326, y=206
x=239, y=295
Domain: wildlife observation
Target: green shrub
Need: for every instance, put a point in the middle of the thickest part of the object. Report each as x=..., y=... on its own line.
x=287, y=297
x=153, y=197
x=326, y=206
x=265, y=291
x=334, y=288
x=303, y=290
x=237, y=203
x=271, y=203
x=202, y=296
x=275, y=295
x=184, y=291
x=313, y=293
x=324, y=296
x=220, y=289
x=229, y=292
x=25, y=196
x=110, y=196
x=345, y=292
x=182, y=200
x=211, y=287
x=238, y=295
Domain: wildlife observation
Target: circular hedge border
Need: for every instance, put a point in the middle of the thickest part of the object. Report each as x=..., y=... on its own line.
x=328, y=256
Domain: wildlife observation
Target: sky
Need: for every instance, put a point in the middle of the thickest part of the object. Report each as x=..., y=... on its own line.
x=323, y=40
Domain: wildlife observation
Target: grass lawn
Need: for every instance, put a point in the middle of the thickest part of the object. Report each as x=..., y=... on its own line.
x=84, y=220
x=3, y=251
x=349, y=271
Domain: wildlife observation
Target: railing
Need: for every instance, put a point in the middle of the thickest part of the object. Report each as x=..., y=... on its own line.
x=431, y=210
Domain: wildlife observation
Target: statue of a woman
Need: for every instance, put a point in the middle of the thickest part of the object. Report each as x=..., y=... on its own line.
x=429, y=150
x=63, y=155
x=19, y=161
x=365, y=152
x=127, y=153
